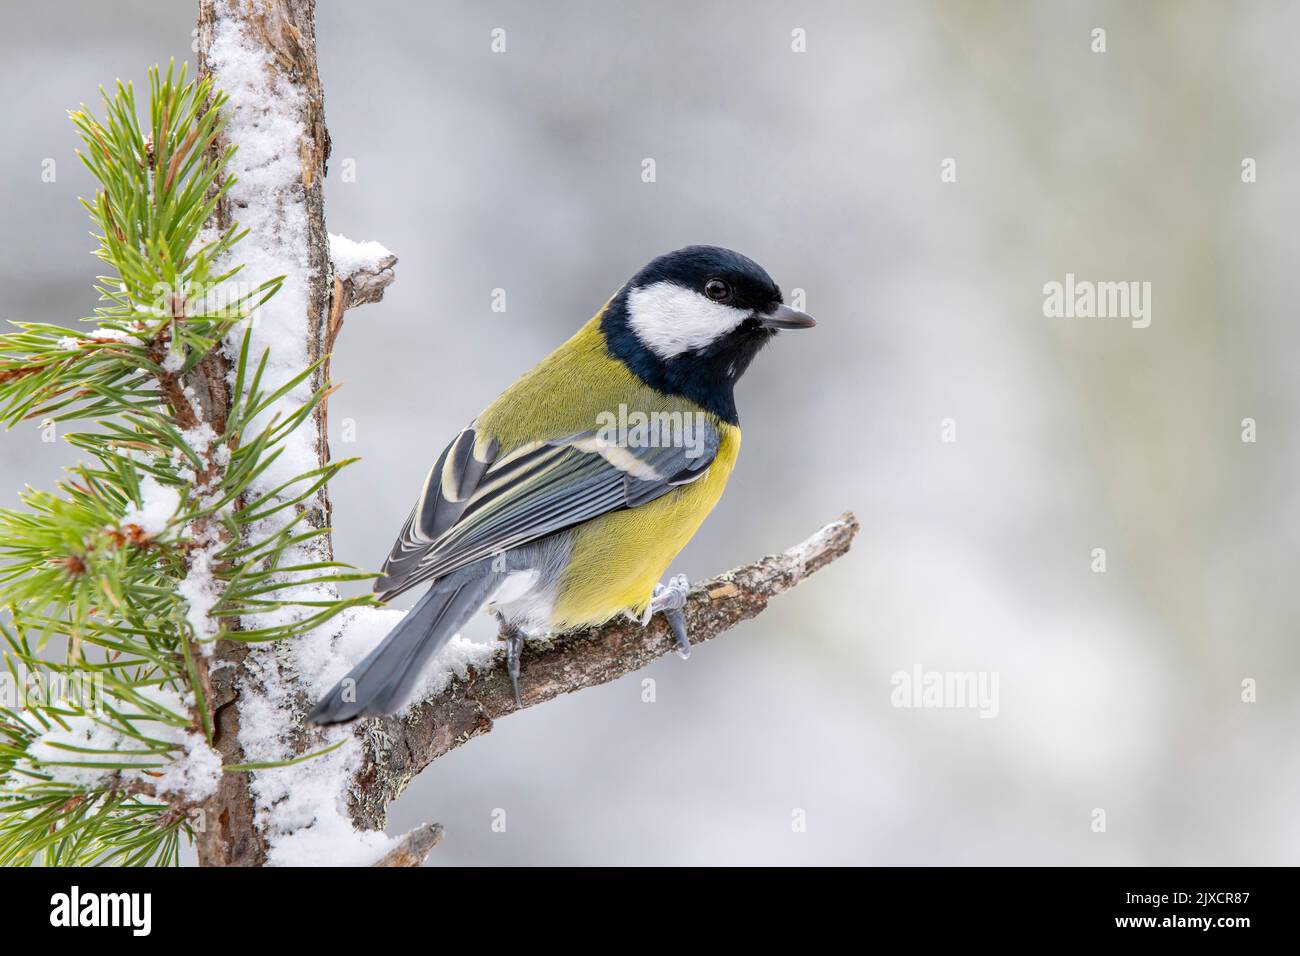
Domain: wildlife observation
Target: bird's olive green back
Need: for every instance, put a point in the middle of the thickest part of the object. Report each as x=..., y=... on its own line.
x=569, y=391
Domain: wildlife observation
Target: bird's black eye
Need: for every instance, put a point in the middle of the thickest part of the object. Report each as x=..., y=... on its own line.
x=717, y=290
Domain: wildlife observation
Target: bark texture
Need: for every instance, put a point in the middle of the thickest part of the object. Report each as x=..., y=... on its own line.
x=286, y=30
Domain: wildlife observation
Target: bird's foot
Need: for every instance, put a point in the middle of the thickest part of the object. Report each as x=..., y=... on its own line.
x=670, y=600
x=514, y=639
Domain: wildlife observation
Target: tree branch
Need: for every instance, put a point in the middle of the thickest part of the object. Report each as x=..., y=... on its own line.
x=395, y=749
x=358, y=287
x=414, y=847
x=367, y=284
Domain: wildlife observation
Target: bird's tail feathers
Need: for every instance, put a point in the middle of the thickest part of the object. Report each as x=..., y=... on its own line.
x=382, y=682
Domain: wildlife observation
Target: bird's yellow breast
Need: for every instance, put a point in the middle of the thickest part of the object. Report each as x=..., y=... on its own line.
x=618, y=558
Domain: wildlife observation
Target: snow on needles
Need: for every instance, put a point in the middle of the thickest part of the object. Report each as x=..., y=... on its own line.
x=158, y=504
x=69, y=755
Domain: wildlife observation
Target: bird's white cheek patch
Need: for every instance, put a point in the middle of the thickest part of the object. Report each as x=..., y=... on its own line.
x=670, y=319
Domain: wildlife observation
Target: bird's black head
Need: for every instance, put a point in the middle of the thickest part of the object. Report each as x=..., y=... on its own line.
x=691, y=321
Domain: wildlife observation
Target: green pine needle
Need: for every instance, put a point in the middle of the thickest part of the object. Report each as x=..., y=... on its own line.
x=90, y=587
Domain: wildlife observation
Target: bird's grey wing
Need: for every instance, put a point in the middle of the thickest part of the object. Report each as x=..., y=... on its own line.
x=450, y=482
x=475, y=504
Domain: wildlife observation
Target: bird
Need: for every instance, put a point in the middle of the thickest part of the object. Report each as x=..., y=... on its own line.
x=566, y=501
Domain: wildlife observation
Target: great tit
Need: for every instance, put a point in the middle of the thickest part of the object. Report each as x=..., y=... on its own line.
x=566, y=500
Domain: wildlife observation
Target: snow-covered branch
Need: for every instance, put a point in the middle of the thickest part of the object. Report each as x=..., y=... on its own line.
x=475, y=688
x=362, y=271
x=262, y=53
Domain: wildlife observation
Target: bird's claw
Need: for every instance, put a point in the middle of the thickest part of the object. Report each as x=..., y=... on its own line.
x=670, y=600
x=514, y=639
x=676, y=619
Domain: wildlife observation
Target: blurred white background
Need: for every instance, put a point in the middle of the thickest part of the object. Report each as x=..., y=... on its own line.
x=522, y=171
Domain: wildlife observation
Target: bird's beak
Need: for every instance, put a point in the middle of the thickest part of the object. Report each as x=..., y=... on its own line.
x=784, y=317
